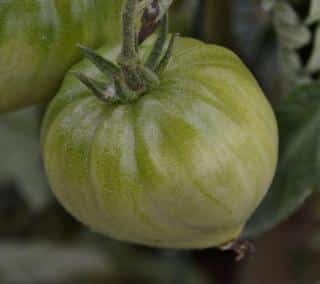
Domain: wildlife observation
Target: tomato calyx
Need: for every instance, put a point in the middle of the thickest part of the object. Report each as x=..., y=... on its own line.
x=129, y=77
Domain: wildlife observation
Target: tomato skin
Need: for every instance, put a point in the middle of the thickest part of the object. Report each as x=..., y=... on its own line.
x=38, y=44
x=184, y=166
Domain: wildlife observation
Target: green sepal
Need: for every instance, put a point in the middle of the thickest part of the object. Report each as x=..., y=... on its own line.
x=105, y=66
x=166, y=58
x=102, y=90
x=156, y=52
x=149, y=77
x=124, y=93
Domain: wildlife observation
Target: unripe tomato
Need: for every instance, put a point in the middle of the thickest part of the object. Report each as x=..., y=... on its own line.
x=183, y=166
x=38, y=43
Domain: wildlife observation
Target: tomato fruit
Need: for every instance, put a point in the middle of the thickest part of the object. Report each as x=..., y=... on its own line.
x=38, y=43
x=167, y=144
x=183, y=166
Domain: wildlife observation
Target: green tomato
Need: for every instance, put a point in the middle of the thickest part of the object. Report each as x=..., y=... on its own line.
x=38, y=44
x=183, y=166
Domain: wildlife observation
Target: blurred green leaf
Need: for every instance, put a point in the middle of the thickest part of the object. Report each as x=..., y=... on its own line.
x=41, y=263
x=293, y=70
x=267, y=4
x=20, y=155
x=314, y=61
x=166, y=267
x=314, y=14
x=298, y=173
x=291, y=32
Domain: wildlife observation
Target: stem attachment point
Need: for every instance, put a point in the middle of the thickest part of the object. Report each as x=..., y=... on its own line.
x=129, y=78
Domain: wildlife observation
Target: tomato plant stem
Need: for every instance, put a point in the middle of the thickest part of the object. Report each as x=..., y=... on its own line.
x=128, y=52
x=131, y=77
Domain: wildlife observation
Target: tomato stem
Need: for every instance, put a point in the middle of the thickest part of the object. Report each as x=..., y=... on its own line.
x=130, y=78
x=128, y=53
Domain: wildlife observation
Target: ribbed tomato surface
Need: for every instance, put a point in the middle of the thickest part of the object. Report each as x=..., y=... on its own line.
x=183, y=166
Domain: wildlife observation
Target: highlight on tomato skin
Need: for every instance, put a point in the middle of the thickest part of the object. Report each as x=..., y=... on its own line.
x=38, y=44
x=182, y=166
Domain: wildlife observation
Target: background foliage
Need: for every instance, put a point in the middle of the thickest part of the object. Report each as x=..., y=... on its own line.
x=280, y=42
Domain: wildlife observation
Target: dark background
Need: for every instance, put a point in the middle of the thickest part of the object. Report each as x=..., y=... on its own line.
x=41, y=244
